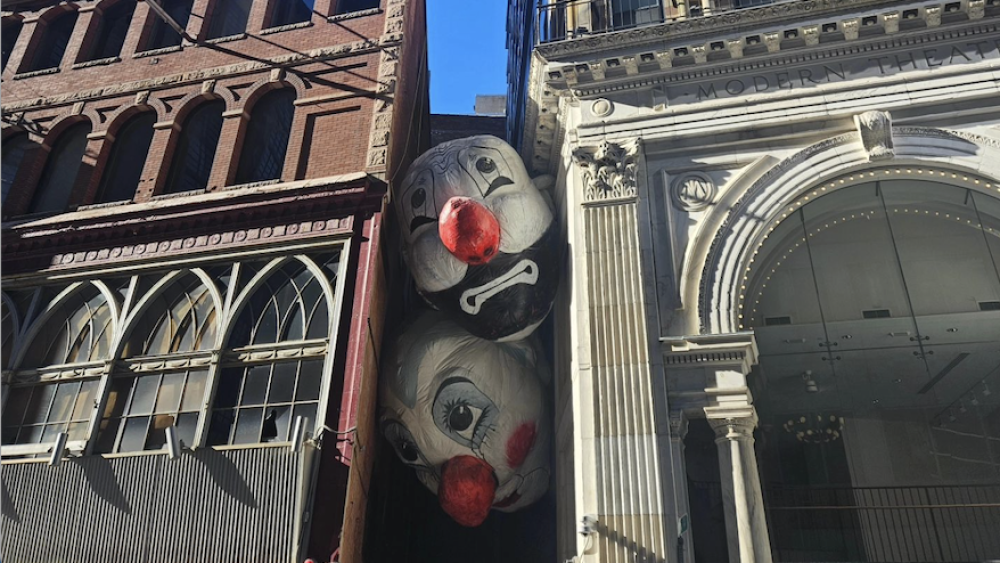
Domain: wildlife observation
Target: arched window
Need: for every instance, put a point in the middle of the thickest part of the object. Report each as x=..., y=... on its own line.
x=61, y=170
x=160, y=34
x=263, y=155
x=258, y=401
x=195, y=153
x=55, y=37
x=78, y=331
x=285, y=12
x=114, y=26
x=11, y=31
x=148, y=398
x=128, y=157
x=13, y=155
x=229, y=17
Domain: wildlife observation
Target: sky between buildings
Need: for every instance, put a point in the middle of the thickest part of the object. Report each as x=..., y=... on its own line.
x=467, y=51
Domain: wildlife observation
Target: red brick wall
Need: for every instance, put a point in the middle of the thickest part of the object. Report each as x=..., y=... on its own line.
x=333, y=106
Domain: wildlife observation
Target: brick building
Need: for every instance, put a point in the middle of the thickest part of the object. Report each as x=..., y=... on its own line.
x=194, y=269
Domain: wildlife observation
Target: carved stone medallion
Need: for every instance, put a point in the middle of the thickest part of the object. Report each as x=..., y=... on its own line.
x=692, y=191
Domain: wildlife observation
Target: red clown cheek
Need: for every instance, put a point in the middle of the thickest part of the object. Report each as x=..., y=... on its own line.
x=519, y=444
x=467, y=489
x=469, y=230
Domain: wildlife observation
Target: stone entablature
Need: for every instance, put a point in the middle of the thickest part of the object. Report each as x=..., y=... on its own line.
x=640, y=85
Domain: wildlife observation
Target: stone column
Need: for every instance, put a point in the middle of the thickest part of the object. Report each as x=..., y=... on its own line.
x=682, y=507
x=620, y=477
x=746, y=527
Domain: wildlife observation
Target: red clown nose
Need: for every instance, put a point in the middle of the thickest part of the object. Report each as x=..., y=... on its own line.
x=469, y=230
x=467, y=488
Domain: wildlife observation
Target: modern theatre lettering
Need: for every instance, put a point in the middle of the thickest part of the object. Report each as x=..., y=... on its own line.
x=806, y=76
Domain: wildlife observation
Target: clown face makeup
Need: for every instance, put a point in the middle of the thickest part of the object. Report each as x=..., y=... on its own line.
x=469, y=416
x=480, y=238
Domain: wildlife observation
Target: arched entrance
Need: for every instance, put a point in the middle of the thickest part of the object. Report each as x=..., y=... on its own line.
x=875, y=304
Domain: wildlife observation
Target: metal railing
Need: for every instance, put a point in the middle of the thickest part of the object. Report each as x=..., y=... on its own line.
x=558, y=20
x=887, y=524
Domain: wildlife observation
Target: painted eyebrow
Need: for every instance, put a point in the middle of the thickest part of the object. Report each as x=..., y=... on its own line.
x=498, y=183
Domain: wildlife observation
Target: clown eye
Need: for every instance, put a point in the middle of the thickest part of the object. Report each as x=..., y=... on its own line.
x=408, y=451
x=485, y=165
x=419, y=198
x=463, y=412
x=402, y=441
x=460, y=418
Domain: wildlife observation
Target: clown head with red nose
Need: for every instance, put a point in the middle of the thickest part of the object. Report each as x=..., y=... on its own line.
x=469, y=415
x=480, y=238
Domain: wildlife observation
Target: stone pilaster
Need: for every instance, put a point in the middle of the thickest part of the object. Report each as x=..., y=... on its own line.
x=621, y=481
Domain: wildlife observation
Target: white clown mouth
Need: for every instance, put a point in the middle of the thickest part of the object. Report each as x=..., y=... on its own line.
x=525, y=271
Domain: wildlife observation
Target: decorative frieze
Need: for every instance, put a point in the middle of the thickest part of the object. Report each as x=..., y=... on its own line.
x=610, y=172
x=215, y=241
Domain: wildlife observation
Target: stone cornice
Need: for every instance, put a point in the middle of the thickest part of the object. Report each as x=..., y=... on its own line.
x=355, y=48
x=692, y=28
x=829, y=52
x=213, y=222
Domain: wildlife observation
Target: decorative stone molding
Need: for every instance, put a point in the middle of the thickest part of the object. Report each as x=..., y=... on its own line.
x=700, y=26
x=288, y=27
x=97, y=62
x=726, y=260
x=90, y=369
x=279, y=354
x=314, y=55
x=609, y=173
x=34, y=73
x=352, y=15
x=875, y=129
x=156, y=364
x=692, y=191
x=215, y=241
x=156, y=52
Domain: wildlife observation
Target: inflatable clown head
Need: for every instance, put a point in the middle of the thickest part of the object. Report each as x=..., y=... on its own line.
x=469, y=415
x=480, y=238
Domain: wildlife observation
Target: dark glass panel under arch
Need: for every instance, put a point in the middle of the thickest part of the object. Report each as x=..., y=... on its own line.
x=61, y=170
x=114, y=26
x=195, y=153
x=289, y=305
x=287, y=12
x=79, y=331
x=877, y=376
x=13, y=155
x=182, y=318
x=263, y=155
x=162, y=35
x=11, y=31
x=50, y=49
x=229, y=18
x=128, y=157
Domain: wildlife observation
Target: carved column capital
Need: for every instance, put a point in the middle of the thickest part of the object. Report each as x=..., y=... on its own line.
x=609, y=171
x=735, y=426
x=875, y=129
